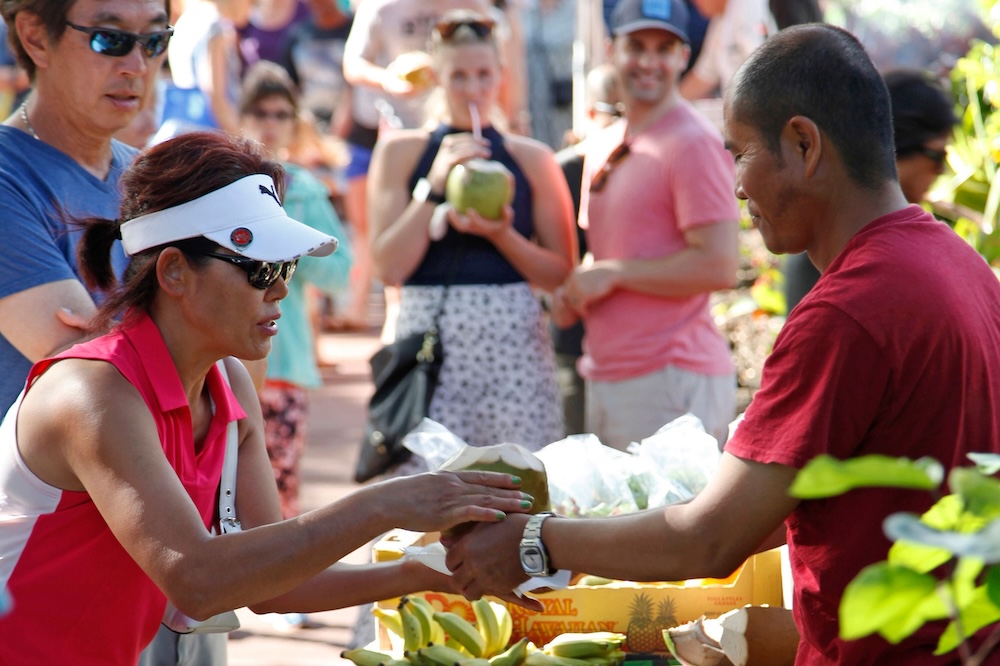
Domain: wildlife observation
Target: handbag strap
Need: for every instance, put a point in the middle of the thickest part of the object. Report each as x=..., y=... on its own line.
x=227, y=485
x=452, y=272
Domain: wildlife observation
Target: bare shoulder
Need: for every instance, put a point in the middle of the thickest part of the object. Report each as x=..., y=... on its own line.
x=402, y=144
x=80, y=410
x=527, y=148
x=79, y=387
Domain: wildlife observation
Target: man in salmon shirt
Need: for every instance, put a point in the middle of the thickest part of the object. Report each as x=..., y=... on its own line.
x=662, y=224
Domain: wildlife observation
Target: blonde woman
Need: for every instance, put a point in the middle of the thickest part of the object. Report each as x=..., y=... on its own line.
x=498, y=380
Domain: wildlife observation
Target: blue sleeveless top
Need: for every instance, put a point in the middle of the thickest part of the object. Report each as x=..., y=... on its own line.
x=482, y=263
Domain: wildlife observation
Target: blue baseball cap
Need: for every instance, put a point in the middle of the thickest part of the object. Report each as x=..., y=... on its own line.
x=632, y=15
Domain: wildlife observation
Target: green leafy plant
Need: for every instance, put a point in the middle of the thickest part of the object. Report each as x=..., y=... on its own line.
x=969, y=196
x=944, y=564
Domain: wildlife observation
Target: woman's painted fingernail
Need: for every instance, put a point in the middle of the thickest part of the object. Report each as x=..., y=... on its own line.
x=501, y=515
x=526, y=504
x=516, y=480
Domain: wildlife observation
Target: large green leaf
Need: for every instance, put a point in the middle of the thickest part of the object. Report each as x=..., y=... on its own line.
x=946, y=514
x=826, y=476
x=888, y=598
x=983, y=545
x=920, y=558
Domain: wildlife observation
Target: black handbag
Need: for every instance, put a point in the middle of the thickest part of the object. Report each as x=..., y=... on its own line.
x=405, y=374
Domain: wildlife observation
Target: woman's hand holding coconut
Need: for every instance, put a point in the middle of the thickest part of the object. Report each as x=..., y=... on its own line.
x=437, y=501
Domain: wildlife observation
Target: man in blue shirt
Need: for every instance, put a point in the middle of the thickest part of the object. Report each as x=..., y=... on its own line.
x=91, y=63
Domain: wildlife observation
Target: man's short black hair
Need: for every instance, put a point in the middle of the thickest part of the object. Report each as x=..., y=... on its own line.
x=823, y=73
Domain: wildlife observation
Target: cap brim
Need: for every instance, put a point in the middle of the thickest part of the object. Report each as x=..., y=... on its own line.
x=244, y=216
x=275, y=238
x=650, y=24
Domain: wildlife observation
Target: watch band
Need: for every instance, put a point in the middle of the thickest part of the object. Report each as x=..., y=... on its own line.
x=423, y=192
x=532, y=537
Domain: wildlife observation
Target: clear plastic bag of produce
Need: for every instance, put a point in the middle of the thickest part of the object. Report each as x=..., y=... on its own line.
x=587, y=478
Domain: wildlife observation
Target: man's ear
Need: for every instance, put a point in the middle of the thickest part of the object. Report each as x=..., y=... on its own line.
x=172, y=269
x=686, y=54
x=804, y=139
x=34, y=38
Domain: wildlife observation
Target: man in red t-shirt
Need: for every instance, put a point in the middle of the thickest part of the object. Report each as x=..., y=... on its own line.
x=896, y=351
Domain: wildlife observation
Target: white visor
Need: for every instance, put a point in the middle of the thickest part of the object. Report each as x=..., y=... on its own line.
x=245, y=217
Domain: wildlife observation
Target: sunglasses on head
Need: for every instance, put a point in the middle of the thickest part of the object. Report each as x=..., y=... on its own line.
x=601, y=177
x=482, y=27
x=118, y=43
x=260, y=274
x=282, y=116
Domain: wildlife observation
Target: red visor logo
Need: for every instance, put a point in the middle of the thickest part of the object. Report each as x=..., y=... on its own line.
x=241, y=237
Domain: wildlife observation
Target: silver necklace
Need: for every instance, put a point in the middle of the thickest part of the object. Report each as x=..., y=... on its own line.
x=24, y=117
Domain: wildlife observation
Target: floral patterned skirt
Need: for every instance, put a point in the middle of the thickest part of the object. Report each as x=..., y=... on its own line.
x=498, y=381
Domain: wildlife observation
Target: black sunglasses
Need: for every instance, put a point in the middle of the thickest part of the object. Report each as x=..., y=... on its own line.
x=118, y=43
x=260, y=274
x=482, y=27
x=601, y=177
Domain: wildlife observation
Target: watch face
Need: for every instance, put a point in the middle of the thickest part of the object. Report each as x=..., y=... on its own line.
x=422, y=189
x=531, y=559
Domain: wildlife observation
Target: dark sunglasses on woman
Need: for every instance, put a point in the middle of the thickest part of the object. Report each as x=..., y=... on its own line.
x=482, y=27
x=260, y=274
x=118, y=43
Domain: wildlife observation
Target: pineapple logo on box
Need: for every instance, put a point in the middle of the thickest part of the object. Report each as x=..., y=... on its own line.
x=645, y=633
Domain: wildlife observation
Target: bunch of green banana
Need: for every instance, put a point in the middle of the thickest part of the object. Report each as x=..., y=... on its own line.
x=448, y=637
x=596, y=648
x=417, y=623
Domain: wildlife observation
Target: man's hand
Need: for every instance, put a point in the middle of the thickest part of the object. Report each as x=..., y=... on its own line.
x=562, y=313
x=589, y=283
x=410, y=74
x=484, y=559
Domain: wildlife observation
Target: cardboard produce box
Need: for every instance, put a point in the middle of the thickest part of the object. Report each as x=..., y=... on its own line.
x=639, y=610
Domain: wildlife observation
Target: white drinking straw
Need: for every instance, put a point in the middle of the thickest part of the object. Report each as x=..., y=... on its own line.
x=477, y=129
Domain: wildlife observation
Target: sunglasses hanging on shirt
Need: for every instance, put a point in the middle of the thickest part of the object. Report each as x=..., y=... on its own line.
x=601, y=177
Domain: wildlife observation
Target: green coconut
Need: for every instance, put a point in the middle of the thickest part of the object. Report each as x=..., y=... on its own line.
x=509, y=459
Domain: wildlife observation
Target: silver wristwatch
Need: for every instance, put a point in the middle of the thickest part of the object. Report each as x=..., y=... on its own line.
x=534, y=556
x=422, y=192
